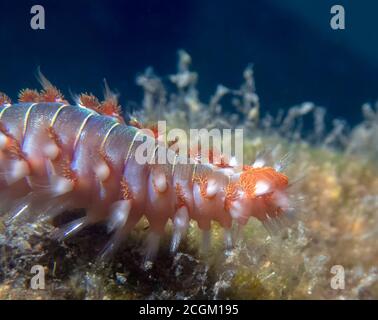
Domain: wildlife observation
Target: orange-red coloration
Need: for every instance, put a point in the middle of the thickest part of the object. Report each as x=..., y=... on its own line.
x=110, y=107
x=201, y=180
x=90, y=101
x=153, y=127
x=13, y=148
x=213, y=155
x=181, y=201
x=126, y=193
x=15, y=152
x=54, y=136
x=4, y=99
x=231, y=192
x=67, y=172
x=28, y=95
x=51, y=94
x=135, y=123
x=249, y=178
x=3, y=130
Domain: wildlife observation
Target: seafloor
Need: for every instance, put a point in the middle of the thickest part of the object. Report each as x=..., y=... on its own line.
x=335, y=192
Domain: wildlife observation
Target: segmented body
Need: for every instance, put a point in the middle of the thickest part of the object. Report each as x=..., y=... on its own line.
x=56, y=157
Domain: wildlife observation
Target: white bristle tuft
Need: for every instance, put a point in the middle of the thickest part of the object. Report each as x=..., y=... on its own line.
x=261, y=188
x=70, y=229
x=236, y=210
x=228, y=239
x=180, y=224
x=160, y=182
x=233, y=162
x=61, y=186
x=259, y=163
x=152, y=247
x=19, y=170
x=50, y=170
x=102, y=171
x=212, y=188
x=281, y=200
x=119, y=215
x=3, y=141
x=17, y=212
x=51, y=151
x=283, y=162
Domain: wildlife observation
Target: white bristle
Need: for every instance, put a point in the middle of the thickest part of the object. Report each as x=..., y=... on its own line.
x=281, y=200
x=152, y=247
x=20, y=169
x=259, y=163
x=3, y=141
x=212, y=188
x=51, y=151
x=180, y=224
x=282, y=163
x=228, y=239
x=18, y=211
x=181, y=218
x=226, y=171
x=61, y=186
x=160, y=182
x=233, y=162
x=102, y=171
x=235, y=210
x=261, y=188
x=50, y=170
x=119, y=215
x=70, y=229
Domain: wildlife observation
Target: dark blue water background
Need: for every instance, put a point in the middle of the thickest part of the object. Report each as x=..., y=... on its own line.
x=296, y=55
